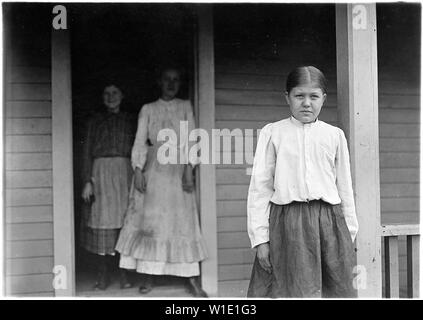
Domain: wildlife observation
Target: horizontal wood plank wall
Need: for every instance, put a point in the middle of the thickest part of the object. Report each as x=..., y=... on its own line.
x=399, y=149
x=28, y=161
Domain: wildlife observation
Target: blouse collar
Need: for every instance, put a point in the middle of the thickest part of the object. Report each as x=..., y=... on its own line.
x=167, y=101
x=300, y=124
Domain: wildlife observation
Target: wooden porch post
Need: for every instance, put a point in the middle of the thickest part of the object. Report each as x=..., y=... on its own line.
x=63, y=215
x=206, y=111
x=358, y=115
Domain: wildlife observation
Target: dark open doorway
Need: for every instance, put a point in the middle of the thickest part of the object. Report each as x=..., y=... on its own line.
x=124, y=44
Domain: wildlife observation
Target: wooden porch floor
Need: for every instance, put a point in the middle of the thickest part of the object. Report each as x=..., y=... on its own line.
x=163, y=287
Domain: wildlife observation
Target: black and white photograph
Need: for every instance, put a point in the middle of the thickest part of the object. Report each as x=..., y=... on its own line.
x=205, y=151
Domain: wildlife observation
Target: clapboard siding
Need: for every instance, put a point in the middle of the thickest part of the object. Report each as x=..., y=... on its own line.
x=399, y=132
x=232, y=207
x=396, y=130
x=399, y=144
x=29, y=248
x=278, y=69
x=29, y=91
x=28, y=143
x=29, y=197
x=231, y=192
x=29, y=231
x=399, y=160
x=399, y=205
x=392, y=217
x=28, y=266
x=30, y=75
x=228, y=224
x=28, y=179
x=30, y=109
x=29, y=214
x=30, y=56
x=399, y=118
x=233, y=240
x=46, y=294
x=234, y=256
x=28, y=158
x=28, y=161
x=28, y=126
x=17, y=284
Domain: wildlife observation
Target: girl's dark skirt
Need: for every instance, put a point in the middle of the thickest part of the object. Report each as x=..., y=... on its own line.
x=99, y=241
x=311, y=253
x=103, y=218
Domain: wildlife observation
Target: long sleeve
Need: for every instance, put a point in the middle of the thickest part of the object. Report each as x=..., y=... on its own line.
x=261, y=188
x=140, y=148
x=87, y=160
x=344, y=185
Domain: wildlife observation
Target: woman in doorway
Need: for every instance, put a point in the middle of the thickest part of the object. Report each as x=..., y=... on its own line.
x=107, y=173
x=161, y=235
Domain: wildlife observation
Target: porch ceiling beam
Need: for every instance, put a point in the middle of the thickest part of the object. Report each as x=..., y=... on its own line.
x=356, y=43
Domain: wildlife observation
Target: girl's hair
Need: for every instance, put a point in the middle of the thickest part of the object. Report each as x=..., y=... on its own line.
x=169, y=66
x=306, y=75
x=160, y=70
x=109, y=81
x=113, y=84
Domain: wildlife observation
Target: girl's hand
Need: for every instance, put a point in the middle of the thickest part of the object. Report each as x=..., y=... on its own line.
x=140, y=181
x=87, y=192
x=188, y=179
x=263, y=255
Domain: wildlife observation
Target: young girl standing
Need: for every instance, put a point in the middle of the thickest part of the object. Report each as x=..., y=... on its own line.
x=107, y=174
x=301, y=212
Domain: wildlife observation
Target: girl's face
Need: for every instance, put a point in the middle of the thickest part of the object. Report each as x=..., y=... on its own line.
x=305, y=102
x=170, y=82
x=112, y=97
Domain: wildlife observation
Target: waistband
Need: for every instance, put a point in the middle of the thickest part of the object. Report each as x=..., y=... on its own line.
x=310, y=202
x=108, y=157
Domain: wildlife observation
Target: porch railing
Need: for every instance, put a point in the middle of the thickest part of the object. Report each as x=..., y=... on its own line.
x=390, y=234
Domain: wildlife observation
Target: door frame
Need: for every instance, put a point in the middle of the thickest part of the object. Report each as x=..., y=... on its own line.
x=62, y=153
x=205, y=103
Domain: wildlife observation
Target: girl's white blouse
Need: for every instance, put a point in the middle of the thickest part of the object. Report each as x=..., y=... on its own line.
x=299, y=162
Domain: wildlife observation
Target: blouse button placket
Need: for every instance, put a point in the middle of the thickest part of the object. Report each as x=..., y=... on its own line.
x=306, y=157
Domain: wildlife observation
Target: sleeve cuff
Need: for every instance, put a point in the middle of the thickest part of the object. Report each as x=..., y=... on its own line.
x=90, y=179
x=259, y=240
x=193, y=163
